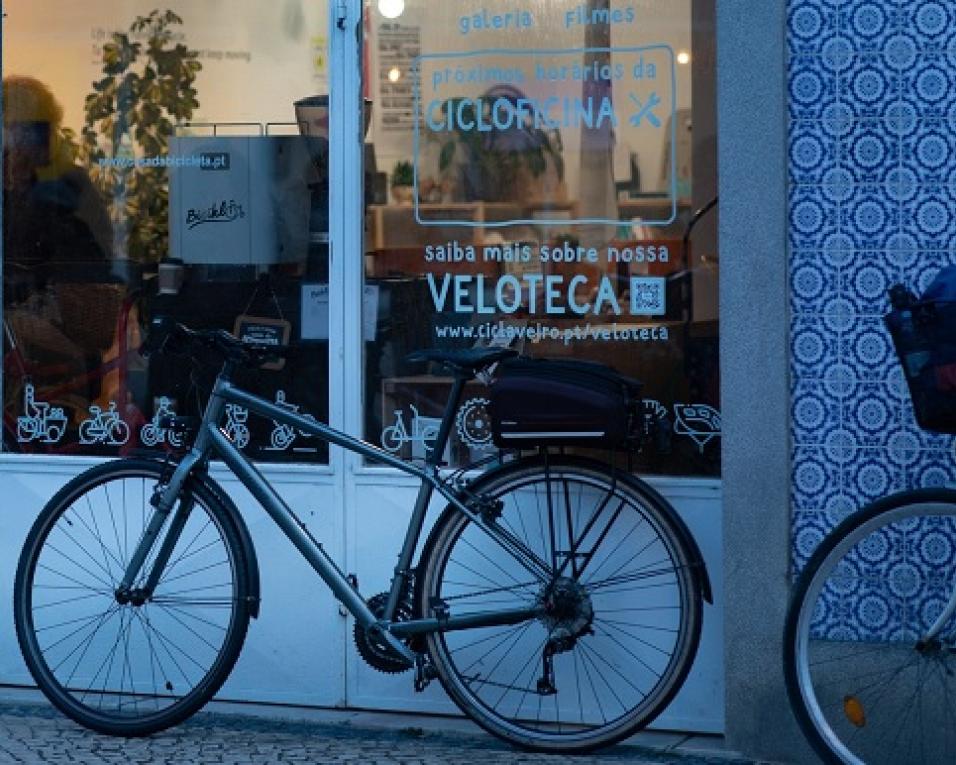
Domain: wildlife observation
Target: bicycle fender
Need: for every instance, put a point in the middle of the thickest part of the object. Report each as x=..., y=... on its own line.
x=245, y=538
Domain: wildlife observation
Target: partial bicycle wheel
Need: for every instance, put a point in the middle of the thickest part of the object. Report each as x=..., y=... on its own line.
x=619, y=609
x=126, y=665
x=869, y=644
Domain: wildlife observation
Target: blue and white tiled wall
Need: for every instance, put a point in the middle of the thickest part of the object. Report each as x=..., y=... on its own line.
x=872, y=164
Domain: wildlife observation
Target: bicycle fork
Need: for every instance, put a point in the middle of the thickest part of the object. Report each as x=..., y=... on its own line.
x=163, y=500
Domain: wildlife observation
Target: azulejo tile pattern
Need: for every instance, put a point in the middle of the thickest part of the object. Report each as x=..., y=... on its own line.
x=872, y=166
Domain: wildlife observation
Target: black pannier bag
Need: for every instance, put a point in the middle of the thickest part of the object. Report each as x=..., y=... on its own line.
x=924, y=335
x=559, y=402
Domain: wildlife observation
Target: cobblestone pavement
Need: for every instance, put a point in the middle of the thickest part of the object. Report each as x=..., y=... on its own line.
x=38, y=734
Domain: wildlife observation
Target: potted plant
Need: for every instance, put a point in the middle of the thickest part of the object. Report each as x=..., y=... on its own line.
x=403, y=180
x=147, y=87
x=499, y=165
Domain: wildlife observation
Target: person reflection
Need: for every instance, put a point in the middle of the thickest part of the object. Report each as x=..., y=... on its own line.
x=54, y=222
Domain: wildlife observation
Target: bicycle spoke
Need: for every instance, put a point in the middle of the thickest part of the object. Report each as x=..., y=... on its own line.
x=79, y=566
x=489, y=560
x=132, y=666
x=98, y=535
x=193, y=616
x=119, y=548
x=171, y=612
x=855, y=628
x=154, y=658
x=594, y=657
x=185, y=554
x=197, y=571
x=71, y=634
x=105, y=567
x=203, y=588
x=637, y=658
x=104, y=617
x=71, y=600
x=603, y=643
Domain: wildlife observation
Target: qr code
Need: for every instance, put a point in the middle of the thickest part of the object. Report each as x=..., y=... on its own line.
x=648, y=295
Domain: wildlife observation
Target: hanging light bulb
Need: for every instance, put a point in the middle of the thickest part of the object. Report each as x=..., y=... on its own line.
x=391, y=9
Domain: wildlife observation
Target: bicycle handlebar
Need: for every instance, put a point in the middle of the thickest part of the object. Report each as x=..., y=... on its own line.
x=164, y=331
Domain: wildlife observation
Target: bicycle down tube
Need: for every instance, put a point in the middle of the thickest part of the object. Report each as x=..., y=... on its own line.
x=211, y=440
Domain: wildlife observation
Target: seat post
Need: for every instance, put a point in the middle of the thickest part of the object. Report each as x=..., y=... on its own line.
x=448, y=418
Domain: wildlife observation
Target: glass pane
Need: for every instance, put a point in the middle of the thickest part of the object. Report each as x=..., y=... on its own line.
x=155, y=164
x=543, y=175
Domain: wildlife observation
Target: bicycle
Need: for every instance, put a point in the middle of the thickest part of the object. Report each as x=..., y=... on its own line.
x=870, y=635
x=557, y=600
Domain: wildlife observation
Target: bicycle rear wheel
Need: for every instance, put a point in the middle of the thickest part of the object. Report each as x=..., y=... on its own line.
x=865, y=686
x=118, y=667
x=620, y=608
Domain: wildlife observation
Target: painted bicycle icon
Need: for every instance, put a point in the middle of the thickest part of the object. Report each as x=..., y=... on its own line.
x=236, y=429
x=40, y=421
x=424, y=431
x=283, y=435
x=154, y=432
x=104, y=427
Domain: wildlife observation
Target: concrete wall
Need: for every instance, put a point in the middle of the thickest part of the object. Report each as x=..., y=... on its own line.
x=754, y=375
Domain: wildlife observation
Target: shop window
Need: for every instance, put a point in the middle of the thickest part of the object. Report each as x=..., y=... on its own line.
x=154, y=164
x=543, y=175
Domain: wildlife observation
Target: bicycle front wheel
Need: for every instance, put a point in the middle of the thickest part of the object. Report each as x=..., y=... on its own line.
x=870, y=679
x=124, y=666
x=617, y=613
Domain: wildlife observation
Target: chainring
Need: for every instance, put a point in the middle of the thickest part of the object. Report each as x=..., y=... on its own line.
x=377, y=653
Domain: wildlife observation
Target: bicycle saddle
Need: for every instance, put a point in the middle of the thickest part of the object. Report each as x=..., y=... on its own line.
x=462, y=360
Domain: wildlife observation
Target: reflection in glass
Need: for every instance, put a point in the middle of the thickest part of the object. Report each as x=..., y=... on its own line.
x=553, y=174
x=161, y=172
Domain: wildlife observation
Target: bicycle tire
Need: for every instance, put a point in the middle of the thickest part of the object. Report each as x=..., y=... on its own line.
x=191, y=602
x=673, y=593
x=856, y=675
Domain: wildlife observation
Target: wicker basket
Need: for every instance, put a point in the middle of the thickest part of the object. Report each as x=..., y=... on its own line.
x=89, y=313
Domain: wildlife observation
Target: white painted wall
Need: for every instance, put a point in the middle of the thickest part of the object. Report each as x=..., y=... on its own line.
x=300, y=649
x=294, y=652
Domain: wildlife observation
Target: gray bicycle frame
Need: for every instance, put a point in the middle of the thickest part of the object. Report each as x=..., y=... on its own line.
x=212, y=441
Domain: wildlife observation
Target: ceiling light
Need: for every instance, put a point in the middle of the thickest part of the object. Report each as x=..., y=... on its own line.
x=391, y=9
x=394, y=74
x=683, y=57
